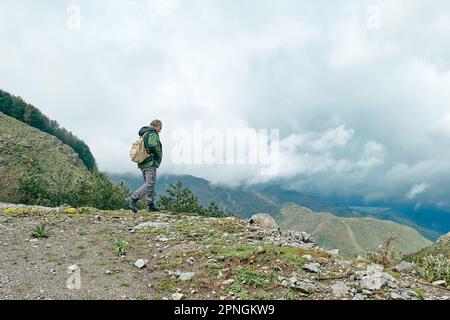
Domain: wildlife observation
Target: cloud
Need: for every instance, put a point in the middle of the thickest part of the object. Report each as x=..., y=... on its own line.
x=362, y=111
x=417, y=190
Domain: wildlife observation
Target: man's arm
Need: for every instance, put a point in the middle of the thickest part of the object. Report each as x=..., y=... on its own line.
x=154, y=145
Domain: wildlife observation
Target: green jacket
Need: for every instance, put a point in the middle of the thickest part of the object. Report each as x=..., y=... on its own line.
x=153, y=146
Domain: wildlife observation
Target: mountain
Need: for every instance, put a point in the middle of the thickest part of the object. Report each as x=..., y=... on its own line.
x=268, y=198
x=38, y=168
x=429, y=230
x=27, y=152
x=352, y=236
x=17, y=108
x=160, y=256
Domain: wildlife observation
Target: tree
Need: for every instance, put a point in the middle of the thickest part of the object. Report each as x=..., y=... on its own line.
x=180, y=200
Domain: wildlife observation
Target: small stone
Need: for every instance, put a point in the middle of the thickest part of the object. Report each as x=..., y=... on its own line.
x=396, y=296
x=404, y=267
x=191, y=260
x=260, y=250
x=228, y=282
x=312, y=267
x=52, y=271
x=358, y=296
x=340, y=289
x=285, y=283
x=441, y=283
x=307, y=257
x=141, y=263
x=334, y=252
x=304, y=287
x=186, y=276
x=177, y=296
x=108, y=272
x=73, y=268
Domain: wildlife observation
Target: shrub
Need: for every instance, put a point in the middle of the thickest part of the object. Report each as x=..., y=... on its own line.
x=434, y=268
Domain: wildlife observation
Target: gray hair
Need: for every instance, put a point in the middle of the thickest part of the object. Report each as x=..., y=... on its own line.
x=156, y=123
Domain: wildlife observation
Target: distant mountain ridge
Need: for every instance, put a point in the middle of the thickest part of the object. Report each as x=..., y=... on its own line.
x=246, y=201
x=352, y=236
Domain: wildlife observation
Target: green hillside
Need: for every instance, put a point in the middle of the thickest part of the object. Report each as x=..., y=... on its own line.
x=352, y=236
x=37, y=168
x=17, y=108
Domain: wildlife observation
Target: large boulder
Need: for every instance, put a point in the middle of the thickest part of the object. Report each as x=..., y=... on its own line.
x=264, y=221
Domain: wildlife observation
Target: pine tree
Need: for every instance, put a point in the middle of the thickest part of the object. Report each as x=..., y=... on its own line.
x=180, y=200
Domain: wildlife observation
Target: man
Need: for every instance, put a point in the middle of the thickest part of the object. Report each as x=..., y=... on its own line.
x=148, y=167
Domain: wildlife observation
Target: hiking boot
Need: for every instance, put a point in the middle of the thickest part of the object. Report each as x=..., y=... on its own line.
x=132, y=204
x=152, y=208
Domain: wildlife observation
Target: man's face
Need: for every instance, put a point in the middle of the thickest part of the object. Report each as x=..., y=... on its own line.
x=158, y=128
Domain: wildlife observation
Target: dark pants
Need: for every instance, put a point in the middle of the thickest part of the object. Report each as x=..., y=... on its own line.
x=148, y=188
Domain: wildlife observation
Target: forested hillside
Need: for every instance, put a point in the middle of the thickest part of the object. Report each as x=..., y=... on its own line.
x=17, y=108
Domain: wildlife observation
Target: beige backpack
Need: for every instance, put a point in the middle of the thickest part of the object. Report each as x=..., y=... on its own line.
x=138, y=152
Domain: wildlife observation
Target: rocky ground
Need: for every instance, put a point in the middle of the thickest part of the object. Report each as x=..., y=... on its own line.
x=121, y=255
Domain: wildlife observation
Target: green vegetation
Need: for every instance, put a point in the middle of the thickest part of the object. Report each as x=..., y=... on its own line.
x=17, y=108
x=181, y=199
x=38, y=169
x=119, y=246
x=434, y=268
x=252, y=278
x=40, y=231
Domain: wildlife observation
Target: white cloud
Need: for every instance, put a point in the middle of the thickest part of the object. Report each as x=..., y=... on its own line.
x=417, y=190
x=362, y=112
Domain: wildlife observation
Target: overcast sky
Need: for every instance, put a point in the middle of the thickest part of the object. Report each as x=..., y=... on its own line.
x=360, y=90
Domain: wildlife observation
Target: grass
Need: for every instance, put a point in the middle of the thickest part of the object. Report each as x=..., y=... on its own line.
x=251, y=278
x=40, y=232
x=119, y=246
x=420, y=293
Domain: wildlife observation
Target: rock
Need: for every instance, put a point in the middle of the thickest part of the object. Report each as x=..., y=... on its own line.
x=141, y=263
x=228, y=282
x=73, y=268
x=191, y=260
x=52, y=271
x=340, y=289
x=177, y=296
x=442, y=283
x=285, y=283
x=307, y=257
x=334, y=252
x=404, y=267
x=359, y=296
x=264, y=221
x=396, y=296
x=304, y=287
x=150, y=225
x=108, y=272
x=162, y=238
x=260, y=250
x=312, y=267
x=186, y=276
x=373, y=282
x=360, y=258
